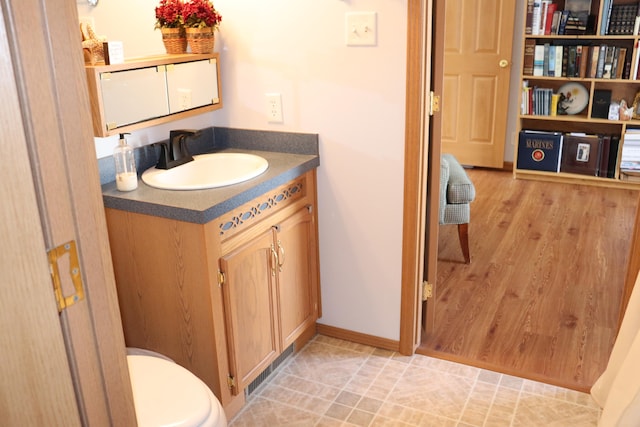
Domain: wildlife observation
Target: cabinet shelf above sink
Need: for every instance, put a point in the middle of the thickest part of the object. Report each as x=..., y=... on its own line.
x=152, y=90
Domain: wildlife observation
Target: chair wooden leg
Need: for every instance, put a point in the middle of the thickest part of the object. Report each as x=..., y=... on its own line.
x=463, y=235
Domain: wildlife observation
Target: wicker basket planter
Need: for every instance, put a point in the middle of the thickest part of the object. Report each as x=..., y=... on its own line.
x=174, y=40
x=200, y=39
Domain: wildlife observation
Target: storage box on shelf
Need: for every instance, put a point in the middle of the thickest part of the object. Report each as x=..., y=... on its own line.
x=580, y=84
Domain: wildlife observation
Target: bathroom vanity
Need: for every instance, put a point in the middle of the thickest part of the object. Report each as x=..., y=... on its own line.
x=224, y=280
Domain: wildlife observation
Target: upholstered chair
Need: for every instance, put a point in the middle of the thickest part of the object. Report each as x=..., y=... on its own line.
x=456, y=194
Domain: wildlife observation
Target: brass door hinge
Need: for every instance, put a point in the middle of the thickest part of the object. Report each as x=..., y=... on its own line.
x=434, y=103
x=220, y=278
x=231, y=382
x=427, y=290
x=54, y=255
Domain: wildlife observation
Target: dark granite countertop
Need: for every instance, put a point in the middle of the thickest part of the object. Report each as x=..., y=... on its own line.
x=202, y=206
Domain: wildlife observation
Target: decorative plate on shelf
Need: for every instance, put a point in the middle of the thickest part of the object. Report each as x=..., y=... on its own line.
x=573, y=98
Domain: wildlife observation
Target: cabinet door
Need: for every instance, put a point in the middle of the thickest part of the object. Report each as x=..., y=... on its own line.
x=132, y=96
x=250, y=308
x=297, y=282
x=192, y=84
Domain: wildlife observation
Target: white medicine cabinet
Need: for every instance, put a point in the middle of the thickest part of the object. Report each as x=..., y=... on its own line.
x=150, y=91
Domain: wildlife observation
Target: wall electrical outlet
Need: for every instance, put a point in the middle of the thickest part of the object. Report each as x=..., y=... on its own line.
x=274, y=107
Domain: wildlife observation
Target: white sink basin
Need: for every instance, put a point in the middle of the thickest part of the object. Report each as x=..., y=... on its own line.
x=207, y=171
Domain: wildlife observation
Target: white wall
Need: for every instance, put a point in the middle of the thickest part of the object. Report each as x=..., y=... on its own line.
x=353, y=97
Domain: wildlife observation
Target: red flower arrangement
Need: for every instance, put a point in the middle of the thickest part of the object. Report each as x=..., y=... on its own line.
x=169, y=14
x=200, y=14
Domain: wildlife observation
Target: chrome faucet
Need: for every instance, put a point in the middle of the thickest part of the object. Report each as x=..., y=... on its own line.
x=174, y=152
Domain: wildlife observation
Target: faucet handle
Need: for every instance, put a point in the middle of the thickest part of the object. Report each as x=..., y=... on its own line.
x=183, y=133
x=165, y=157
x=177, y=139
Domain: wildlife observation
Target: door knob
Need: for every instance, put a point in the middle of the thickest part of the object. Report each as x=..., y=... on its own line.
x=503, y=63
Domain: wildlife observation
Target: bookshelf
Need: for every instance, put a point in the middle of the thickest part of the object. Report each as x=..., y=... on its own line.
x=590, y=52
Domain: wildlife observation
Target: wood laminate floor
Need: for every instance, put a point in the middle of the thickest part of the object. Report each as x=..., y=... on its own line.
x=541, y=296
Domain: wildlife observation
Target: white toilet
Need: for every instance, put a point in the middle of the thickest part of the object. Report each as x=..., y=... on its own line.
x=166, y=394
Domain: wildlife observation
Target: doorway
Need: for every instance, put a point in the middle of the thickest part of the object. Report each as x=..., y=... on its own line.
x=433, y=151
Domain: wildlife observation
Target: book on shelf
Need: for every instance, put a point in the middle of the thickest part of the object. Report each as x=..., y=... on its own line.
x=606, y=16
x=581, y=154
x=600, y=104
x=593, y=62
x=536, y=17
x=545, y=61
x=580, y=20
x=602, y=54
x=572, y=57
x=538, y=60
x=539, y=150
x=538, y=101
x=544, y=17
x=551, y=61
x=621, y=62
x=529, y=52
x=564, y=58
x=562, y=26
x=605, y=151
x=630, y=154
x=559, y=50
x=529, y=19
x=634, y=69
x=608, y=62
x=548, y=21
x=622, y=19
x=555, y=22
x=613, y=156
x=583, y=59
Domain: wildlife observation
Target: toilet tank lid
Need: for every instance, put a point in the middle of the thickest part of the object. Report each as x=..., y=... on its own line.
x=166, y=394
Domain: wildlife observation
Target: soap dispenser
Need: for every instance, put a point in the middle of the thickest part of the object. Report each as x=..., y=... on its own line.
x=126, y=177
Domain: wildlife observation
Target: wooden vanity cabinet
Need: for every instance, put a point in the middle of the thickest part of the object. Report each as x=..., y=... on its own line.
x=270, y=283
x=214, y=297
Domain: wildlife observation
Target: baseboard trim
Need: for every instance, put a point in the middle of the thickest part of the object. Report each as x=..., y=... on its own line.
x=357, y=337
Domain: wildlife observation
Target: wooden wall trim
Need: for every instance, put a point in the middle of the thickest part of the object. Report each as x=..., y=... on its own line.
x=357, y=337
x=414, y=204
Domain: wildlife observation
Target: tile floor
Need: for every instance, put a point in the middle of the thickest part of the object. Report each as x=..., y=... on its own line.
x=331, y=382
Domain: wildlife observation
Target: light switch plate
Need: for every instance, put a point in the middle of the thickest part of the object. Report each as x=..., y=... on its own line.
x=361, y=28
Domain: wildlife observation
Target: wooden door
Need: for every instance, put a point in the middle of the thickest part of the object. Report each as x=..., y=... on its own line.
x=478, y=41
x=295, y=241
x=45, y=113
x=433, y=173
x=36, y=378
x=414, y=249
x=250, y=274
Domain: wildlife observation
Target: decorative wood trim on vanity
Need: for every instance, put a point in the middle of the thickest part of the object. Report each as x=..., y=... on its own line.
x=261, y=208
x=357, y=337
